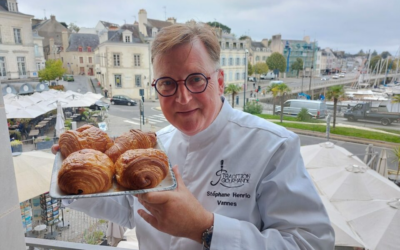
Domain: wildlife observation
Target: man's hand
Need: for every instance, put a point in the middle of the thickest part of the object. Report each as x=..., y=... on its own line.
x=176, y=212
x=55, y=148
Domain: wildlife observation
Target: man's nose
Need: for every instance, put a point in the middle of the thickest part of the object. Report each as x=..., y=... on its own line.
x=183, y=95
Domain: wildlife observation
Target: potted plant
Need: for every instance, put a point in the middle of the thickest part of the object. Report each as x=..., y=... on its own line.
x=43, y=143
x=16, y=146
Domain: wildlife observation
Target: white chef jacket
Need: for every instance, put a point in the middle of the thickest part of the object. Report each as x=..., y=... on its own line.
x=249, y=173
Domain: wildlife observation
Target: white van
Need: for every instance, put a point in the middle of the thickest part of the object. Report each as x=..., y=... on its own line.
x=317, y=109
x=268, y=76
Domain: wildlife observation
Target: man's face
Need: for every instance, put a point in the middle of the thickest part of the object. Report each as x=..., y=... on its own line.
x=190, y=113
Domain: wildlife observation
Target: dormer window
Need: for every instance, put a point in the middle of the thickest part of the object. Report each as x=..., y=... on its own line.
x=127, y=39
x=89, y=49
x=258, y=49
x=227, y=45
x=80, y=48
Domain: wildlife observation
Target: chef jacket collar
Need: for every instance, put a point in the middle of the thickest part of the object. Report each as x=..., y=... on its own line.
x=206, y=136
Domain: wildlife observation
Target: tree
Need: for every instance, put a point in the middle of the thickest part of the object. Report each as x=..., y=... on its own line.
x=276, y=62
x=335, y=92
x=220, y=25
x=73, y=27
x=361, y=53
x=271, y=89
x=234, y=90
x=396, y=99
x=282, y=89
x=385, y=54
x=64, y=24
x=374, y=53
x=53, y=69
x=261, y=68
x=374, y=61
x=250, y=69
x=297, y=65
x=244, y=37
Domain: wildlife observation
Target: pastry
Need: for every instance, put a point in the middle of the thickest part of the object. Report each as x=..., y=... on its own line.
x=134, y=139
x=86, y=171
x=87, y=136
x=141, y=168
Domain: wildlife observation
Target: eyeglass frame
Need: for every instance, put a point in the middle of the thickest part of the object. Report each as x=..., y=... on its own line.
x=153, y=84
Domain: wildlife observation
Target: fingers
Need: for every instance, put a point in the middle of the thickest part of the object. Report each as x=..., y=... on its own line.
x=55, y=148
x=148, y=218
x=178, y=176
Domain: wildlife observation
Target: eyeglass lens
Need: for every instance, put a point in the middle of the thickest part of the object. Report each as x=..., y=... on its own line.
x=195, y=83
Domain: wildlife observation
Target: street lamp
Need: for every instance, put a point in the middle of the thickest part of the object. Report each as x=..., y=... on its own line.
x=287, y=60
x=245, y=78
x=302, y=77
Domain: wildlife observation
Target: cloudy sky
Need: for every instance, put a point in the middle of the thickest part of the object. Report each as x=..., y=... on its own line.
x=348, y=25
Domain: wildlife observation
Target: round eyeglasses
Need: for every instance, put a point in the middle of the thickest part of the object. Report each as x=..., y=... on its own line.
x=196, y=83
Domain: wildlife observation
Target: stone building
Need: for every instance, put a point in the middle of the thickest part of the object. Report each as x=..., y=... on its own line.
x=20, y=55
x=51, y=30
x=258, y=51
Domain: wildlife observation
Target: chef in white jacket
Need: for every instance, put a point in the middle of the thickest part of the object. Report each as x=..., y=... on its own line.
x=241, y=181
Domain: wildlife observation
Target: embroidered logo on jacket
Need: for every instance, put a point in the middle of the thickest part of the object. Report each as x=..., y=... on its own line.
x=230, y=180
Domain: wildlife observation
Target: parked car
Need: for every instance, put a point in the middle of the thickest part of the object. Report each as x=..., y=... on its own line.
x=364, y=111
x=325, y=78
x=99, y=104
x=251, y=79
x=68, y=78
x=268, y=76
x=316, y=109
x=341, y=75
x=335, y=76
x=123, y=100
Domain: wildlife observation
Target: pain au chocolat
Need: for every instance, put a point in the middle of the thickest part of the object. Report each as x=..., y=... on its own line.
x=134, y=139
x=87, y=136
x=86, y=171
x=141, y=168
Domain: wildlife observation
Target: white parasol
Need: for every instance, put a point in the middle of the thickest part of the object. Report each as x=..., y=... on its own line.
x=33, y=173
x=376, y=222
x=60, y=127
x=114, y=234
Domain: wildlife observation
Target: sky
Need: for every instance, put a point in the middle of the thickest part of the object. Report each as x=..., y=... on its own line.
x=349, y=25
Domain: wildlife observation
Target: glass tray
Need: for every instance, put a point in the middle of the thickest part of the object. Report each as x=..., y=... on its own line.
x=169, y=183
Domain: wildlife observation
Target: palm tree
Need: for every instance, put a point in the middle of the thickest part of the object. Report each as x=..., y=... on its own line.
x=271, y=89
x=335, y=92
x=396, y=99
x=396, y=152
x=282, y=89
x=234, y=90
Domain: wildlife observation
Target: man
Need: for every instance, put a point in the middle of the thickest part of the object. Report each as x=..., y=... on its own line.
x=241, y=181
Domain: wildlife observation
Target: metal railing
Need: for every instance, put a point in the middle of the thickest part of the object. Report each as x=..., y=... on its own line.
x=62, y=245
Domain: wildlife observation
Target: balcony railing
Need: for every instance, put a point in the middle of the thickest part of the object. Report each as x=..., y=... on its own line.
x=62, y=245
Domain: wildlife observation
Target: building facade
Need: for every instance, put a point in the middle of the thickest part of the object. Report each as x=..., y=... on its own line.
x=18, y=59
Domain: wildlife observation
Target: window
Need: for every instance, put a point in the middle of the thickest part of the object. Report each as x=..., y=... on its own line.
x=258, y=49
x=90, y=59
x=227, y=45
x=82, y=70
x=244, y=61
x=89, y=49
x=230, y=61
x=241, y=45
x=2, y=67
x=80, y=48
x=264, y=58
x=36, y=50
x=116, y=60
x=237, y=76
x=21, y=66
x=38, y=65
x=127, y=39
x=138, y=80
x=80, y=59
x=257, y=58
x=136, y=59
x=223, y=61
x=237, y=61
x=118, y=81
x=17, y=36
x=234, y=46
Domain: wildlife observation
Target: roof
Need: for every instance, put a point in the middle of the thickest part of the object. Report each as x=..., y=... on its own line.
x=257, y=45
x=158, y=23
x=37, y=26
x=84, y=40
x=135, y=32
x=4, y=7
x=107, y=24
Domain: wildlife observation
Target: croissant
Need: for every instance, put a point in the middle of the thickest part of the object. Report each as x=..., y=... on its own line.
x=86, y=171
x=141, y=168
x=87, y=136
x=134, y=139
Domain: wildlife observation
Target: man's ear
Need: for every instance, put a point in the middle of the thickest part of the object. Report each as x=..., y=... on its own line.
x=221, y=84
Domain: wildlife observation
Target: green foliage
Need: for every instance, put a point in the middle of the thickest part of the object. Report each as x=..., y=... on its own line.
x=361, y=53
x=253, y=107
x=15, y=134
x=220, y=25
x=303, y=115
x=396, y=99
x=287, y=118
x=385, y=54
x=54, y=69
x=260, y=68
x=93, y=238
x=244, y=37
x=374, y=53
x=276, y=61
x=250, y=69
x=68, y=124
x=64, y=24
x=233, y=89
x=47, y=138
x=335, y=92
x=73, y=27
x=101, y=221
x=297, y=65
x=374, y=61
x=15, y=143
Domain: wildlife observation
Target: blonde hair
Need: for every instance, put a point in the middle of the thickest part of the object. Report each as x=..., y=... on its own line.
x=179, y=34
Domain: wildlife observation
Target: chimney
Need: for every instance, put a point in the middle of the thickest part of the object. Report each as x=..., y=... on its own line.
x=265, y=42
x=171, y=20
x=53, y=18
x=142, y=22
x=306, y=39
x=65, y=42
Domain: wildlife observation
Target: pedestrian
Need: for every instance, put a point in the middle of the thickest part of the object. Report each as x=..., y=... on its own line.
x=348, y=106
x=251, y=93
x=105, y=93
x=229, y=195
